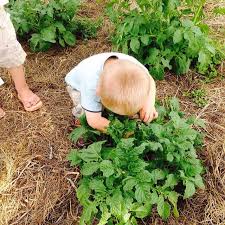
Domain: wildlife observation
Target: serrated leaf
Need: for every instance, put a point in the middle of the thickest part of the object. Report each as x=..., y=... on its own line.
x=107, y=168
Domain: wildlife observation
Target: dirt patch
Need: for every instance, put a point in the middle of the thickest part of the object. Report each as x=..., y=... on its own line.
x=36, y=182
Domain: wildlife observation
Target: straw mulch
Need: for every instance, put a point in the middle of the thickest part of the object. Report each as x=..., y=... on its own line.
x=37, y=185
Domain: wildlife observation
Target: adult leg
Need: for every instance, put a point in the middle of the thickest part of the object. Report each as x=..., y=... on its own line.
x=30, y=101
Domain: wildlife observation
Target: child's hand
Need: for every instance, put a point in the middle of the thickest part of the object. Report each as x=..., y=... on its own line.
x=148, y=113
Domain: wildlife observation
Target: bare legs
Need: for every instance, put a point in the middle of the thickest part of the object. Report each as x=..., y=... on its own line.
x=30, y=101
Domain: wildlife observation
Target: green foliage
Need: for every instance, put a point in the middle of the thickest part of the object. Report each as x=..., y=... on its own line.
x=199, y=97
x=163, y=36
x=219, y=11
x=45, y=24
x=123, y=179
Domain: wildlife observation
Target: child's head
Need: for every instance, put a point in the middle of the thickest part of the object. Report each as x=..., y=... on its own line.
x=124, y=87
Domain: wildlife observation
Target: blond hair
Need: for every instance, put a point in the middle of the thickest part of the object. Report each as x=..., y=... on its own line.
x=124, y=87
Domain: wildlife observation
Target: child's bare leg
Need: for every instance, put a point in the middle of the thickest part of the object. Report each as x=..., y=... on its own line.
x=2, y=113
x=30, y=100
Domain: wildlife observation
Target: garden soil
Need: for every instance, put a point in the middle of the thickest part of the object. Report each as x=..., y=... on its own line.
x=37, y=184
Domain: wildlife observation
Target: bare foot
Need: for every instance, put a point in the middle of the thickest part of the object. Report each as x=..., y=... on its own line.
x=2, y=113
x=30, y=101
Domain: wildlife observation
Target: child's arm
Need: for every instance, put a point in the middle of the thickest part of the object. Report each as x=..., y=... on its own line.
x=96, y=121
x=148, y=112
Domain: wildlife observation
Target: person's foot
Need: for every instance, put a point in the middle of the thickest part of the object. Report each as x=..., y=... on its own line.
x=2, y=113
x=30, y=101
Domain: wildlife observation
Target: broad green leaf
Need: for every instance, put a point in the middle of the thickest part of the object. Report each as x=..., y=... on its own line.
x=91, y=154
x=135, y=45
x=169, y=157
x=189, y=190
x=49, y=34
x=35, y=39
x=145, y=39
x=73, y=156
x=69, y=38
x=116, y=203
x=153, y=56
x=105, y=215
x=83, y=192
x=62, y=42
x=60, y=27
x=141, y=192
x=178, y=36
x=204, y=60
x=157, y=71
x=88, y=214
x=77, y=133
x=142, y=210
x=129, y=183
x=107, y=168
x=163, y=208
x=154, y=146
x=199, y=181
x=140, y=149
x=158, y=174
x=97, y=186
x=126, y=143
x=89, y=168
x=154, y=198
x=173, y=198
x=171, y=181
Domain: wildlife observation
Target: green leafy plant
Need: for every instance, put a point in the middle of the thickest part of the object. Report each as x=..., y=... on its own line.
x=164, y=35
x=199, y=97
x=123, y=179
x=47, y=23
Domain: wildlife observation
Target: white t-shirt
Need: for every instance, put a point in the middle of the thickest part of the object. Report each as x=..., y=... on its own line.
x=3, y=2
x=84, y=78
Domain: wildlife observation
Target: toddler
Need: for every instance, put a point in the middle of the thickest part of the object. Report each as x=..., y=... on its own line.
x=12, y=57
x=115, y=81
